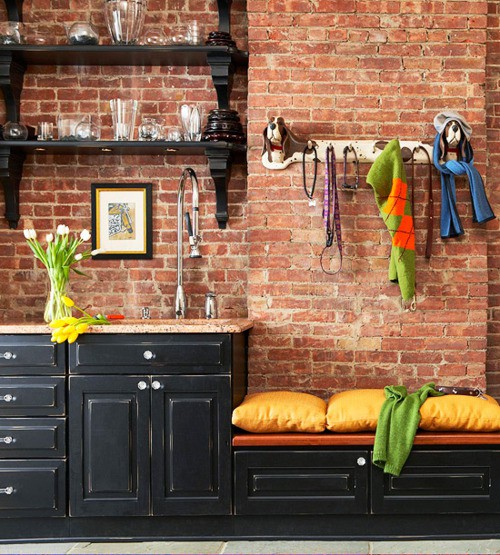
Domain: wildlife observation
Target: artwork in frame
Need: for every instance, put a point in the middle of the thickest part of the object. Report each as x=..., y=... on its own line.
x=122, y=220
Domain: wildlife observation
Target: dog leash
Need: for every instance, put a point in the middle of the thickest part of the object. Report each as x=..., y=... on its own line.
x=309, y=193
x=430, y=217
x=331, y=218
x=346, y=185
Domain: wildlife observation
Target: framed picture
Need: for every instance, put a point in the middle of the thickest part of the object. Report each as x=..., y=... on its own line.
x=122, y=220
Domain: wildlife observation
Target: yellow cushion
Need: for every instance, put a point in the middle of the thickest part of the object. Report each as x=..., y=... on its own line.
x=281, y=411
x=354, y=411
x=460, y=413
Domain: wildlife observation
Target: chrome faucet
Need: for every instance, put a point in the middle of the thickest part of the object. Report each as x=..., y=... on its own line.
x=192, y=229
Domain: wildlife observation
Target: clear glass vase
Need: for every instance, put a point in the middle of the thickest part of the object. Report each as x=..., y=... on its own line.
x=54, y=307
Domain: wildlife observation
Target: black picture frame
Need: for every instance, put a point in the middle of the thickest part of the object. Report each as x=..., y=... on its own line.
x=122, y=220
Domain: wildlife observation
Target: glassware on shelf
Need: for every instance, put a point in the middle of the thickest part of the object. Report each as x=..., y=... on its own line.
x=81, y=33
x=154, y=37
x=88, y=130
x=179, y=35
x=149, y=129
x=11, y=32
x=125, y=19
x=66, y=128
x=14, y=131
x=45, y=131
x=196, y=33
x=190, y=117
x=123, y=113
x=174, y=134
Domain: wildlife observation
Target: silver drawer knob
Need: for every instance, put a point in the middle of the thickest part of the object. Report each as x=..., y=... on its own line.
x=9, y=490
x=148, y=355
x=142, y=385
x=8, y=355
x=156, y=385
x=7, y=398
x=361, y=461
x=6, y=439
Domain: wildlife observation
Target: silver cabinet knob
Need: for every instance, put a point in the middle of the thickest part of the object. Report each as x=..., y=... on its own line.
x=148, y=355
x=8, y=355
x=7, y=398
x=9, y=490
x=6, y=439
x=142, y=385
x=156, y=385
x=361, y=461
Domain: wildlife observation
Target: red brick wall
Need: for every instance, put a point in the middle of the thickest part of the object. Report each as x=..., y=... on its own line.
x=56, y=189
x=493, y=134
x=362, y=70
x=348, y=69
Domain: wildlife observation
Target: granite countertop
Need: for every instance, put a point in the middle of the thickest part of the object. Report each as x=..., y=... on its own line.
x=222, y=325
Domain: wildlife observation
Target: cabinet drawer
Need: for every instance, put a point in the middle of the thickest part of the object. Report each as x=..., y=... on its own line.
x=458, y=481
x=172, y=354
x=33, y=396
x=32, y=488
x=301, y=482
x=32, y=437
x=30, y=354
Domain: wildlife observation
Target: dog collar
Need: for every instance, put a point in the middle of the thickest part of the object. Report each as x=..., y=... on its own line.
x=454, y=150
x=276, y=147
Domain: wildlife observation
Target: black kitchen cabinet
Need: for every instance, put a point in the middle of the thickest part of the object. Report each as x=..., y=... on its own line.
x=157, y=442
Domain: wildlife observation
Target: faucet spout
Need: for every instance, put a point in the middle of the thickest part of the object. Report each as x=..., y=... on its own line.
x=192, y=229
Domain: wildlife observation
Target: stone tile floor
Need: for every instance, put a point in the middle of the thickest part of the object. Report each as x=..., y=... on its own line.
x=435, y=547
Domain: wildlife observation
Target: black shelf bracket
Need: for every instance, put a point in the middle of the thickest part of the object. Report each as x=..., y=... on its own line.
x=11, y=83
x=219, y=162
x=14, y=9
x=224, y=7
x=11, y=171
x=222, y=76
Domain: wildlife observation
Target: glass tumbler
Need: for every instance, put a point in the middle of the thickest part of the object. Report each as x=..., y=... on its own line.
x=123, y=113
x=125, y=19
x=149, y=129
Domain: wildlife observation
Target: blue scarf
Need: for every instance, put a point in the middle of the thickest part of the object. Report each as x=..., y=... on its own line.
x=451, y=225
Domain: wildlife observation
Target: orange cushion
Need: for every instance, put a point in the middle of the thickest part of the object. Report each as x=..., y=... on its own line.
x=354, y=411
x=280, y=411
x=460, y=413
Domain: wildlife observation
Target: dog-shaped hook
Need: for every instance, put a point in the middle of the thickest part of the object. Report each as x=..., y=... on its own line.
x=280, y=144
x=454, y=136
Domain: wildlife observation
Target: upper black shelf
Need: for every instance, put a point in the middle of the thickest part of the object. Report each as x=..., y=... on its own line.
x=118, y=55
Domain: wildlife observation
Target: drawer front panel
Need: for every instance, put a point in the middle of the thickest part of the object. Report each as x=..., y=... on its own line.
x=32, y=488
x=32, y=396
x=172, y=354
x=440, y=482
x=30, y=354
x=32, y=437
x=301, y=482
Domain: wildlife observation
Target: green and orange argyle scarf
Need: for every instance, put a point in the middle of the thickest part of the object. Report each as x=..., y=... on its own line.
x=388, y=178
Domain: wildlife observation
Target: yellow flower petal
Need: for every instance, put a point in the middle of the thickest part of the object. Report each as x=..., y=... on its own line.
x=57, y=323
x=82, y=328
x=72, y=337
x=70, y=320
x=67, y=301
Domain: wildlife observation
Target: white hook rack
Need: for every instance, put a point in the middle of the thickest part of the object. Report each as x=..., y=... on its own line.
x=366, y=152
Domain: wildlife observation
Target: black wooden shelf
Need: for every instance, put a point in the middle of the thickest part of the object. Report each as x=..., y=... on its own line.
x=13, y=154
x=118, y=55
x=14, y=60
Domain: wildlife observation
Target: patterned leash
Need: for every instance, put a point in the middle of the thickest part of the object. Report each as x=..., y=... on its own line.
x=331, y=214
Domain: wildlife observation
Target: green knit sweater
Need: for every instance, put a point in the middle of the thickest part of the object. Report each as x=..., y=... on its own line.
x=388, y=178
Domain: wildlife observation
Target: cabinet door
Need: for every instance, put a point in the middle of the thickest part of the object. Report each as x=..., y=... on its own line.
x=109, y=445
x=191, y=453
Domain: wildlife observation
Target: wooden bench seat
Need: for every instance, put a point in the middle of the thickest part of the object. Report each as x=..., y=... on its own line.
x=326, y=439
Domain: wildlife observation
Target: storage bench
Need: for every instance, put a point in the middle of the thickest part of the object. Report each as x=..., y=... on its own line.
x=331, y=474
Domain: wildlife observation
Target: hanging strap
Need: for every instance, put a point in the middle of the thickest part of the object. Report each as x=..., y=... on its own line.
x=355, y=185
x=309, y=193
x=331, y=217
x=430, y=216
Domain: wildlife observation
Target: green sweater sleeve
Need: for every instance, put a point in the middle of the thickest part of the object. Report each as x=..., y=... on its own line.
x=397, y=425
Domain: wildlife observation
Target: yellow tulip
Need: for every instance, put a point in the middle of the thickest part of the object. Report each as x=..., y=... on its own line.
x=67, y=301
x=72, y=337
x=69, y=320
x=57, y=323
x=81, y=328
